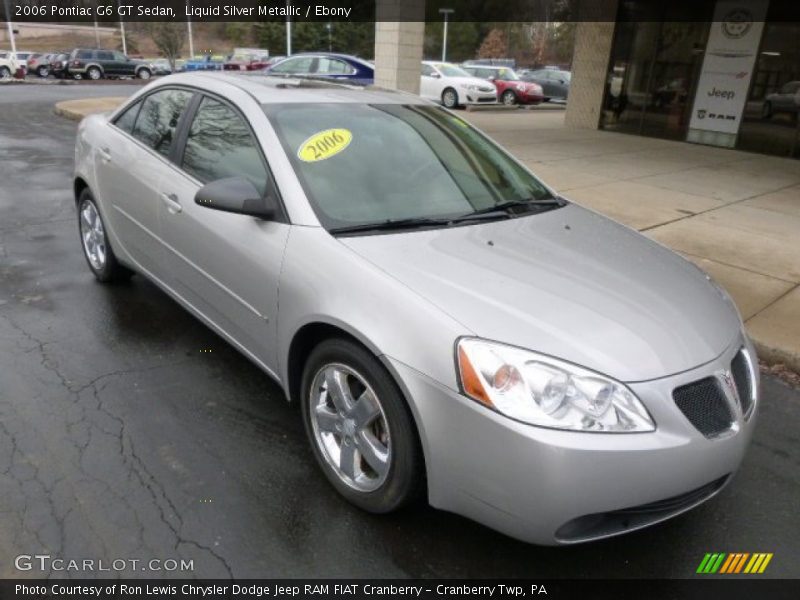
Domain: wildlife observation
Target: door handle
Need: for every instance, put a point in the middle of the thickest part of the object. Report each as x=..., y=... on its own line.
x=171, y=202
x=105, y=154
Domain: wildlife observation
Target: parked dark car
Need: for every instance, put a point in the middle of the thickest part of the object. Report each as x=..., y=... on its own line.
x=94, y=64
x=58, y=65
x=325, y=65
x=555, y=83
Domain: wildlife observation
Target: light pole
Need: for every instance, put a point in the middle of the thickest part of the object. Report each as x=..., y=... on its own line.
x=10, y=29
x=191, y=40
x=122, y=31
x=328, y=26
x=445, y=12
x=288, y=29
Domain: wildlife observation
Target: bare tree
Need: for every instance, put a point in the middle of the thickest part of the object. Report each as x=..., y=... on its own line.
x=495, y=45
x=169, y=39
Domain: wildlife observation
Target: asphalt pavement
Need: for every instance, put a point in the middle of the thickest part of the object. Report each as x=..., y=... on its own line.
x=129, y=430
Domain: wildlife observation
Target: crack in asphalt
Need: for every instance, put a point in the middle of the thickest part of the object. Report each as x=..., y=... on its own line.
x=168, y=512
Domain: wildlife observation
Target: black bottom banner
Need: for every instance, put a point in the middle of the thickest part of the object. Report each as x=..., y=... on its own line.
x=384, y=589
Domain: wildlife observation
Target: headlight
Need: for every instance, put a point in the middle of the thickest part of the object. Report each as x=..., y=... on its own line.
x=545, y=391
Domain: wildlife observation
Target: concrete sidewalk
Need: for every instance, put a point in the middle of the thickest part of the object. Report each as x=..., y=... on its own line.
x=735, y=214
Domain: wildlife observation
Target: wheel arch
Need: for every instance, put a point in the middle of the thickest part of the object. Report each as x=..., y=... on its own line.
x=78, y=185
x=305, y=339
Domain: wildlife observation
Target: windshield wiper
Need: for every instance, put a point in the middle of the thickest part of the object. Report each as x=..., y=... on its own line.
x=417, y=222
x=390, y=224
x=506, y=207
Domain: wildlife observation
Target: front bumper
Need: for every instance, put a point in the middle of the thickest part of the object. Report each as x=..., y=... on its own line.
x=478, y=97
x=553, y=487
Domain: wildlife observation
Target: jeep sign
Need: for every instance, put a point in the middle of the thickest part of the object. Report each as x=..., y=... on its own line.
x=727, y=69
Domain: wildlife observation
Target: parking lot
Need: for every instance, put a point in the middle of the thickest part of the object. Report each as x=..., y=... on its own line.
x=130, y=430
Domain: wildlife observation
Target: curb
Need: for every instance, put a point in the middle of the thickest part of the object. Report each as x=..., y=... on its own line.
x=772, y=355
x=75, y=110
x=68, y=114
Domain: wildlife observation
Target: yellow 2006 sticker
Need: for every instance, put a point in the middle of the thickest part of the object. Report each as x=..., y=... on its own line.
x=324, y=145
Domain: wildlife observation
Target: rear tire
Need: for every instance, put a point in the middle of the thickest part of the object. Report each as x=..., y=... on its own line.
x=94, y=73
x=144, y=74
x=5, y=73
x=342, y=382
x=94, y=240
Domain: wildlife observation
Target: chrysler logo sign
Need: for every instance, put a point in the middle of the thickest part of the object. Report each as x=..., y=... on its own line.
x=737, y=23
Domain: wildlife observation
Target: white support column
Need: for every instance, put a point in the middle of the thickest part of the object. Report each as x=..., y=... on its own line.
x=398, y=43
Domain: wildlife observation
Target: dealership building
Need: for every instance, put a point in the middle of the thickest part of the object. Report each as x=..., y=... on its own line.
x=717, y=72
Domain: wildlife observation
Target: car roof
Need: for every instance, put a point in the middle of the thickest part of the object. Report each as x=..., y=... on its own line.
x=267, y=89
x=332, y=55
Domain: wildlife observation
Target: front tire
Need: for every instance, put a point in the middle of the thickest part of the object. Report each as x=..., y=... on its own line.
x=5, y=73
x=450, y=98
x=509, y=98
x=94, y=240
x=360, y=427
x=43, y=72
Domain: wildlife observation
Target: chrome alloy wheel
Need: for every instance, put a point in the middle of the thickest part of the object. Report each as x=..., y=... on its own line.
x=93, y=235
x=350, y=427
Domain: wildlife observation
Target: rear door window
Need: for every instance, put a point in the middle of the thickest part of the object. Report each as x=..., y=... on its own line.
x=158, y=119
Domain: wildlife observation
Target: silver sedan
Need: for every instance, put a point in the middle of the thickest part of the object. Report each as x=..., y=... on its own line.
x=451, y=327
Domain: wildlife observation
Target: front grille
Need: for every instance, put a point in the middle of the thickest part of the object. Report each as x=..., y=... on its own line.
x=741, y=378
x=703, y=403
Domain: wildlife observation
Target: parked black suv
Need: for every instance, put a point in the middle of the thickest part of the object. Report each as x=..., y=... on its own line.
x=96, y=63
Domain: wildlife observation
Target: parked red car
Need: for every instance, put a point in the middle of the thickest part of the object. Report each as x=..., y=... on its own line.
x=247, y=59
x=510, y=88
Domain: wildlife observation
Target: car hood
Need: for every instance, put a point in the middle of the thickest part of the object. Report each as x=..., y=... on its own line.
x=485, y=83
x=568, y=283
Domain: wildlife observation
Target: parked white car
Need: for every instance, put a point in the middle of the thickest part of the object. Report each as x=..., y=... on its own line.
x=8, y=65
x=453, y=86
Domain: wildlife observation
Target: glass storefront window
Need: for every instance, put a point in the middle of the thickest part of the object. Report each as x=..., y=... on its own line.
x=770, y=123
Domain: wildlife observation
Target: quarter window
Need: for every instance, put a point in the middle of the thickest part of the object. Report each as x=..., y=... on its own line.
x=158, y=119
x=220, y=145
x=127, y=119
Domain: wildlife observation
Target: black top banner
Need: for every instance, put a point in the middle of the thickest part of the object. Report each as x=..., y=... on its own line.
x=107, y=11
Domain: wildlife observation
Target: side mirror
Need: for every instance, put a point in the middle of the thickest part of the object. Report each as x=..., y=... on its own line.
x=235, y=195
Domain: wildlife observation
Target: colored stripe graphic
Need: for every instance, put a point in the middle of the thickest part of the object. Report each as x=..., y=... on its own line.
x=734, y=562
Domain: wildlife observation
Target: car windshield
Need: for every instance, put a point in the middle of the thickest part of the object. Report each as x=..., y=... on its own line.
x=451, y=71
x=366, y=164
x=507, y=75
